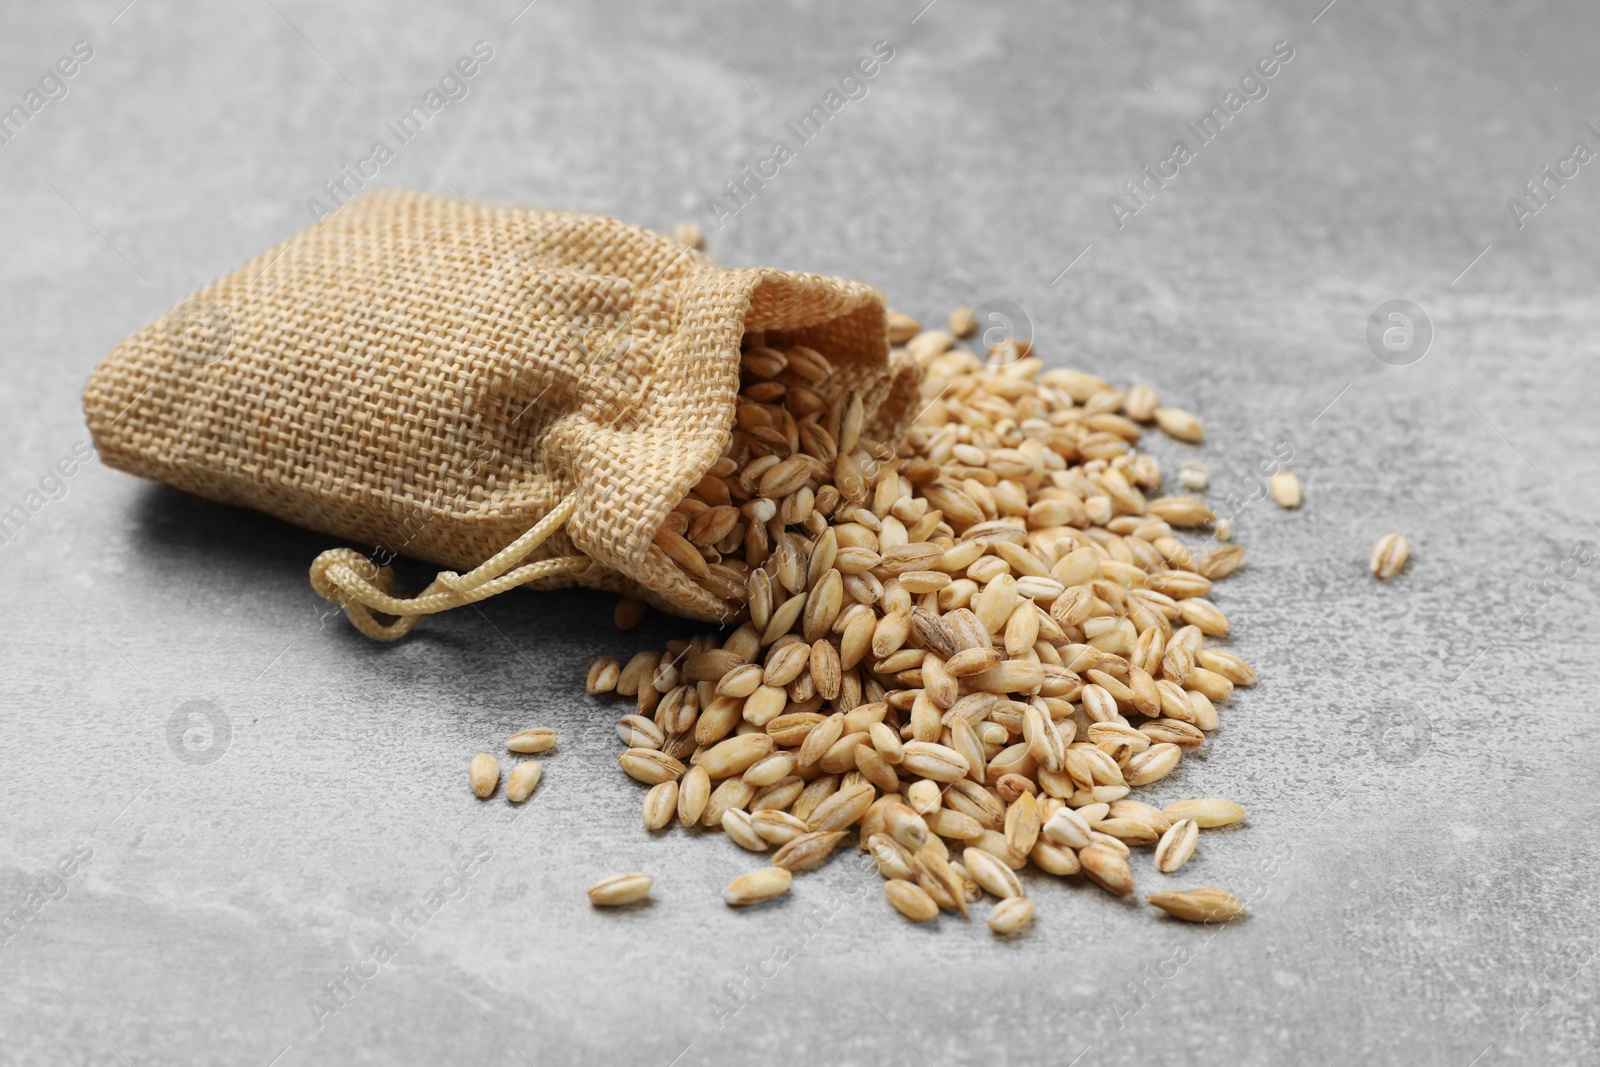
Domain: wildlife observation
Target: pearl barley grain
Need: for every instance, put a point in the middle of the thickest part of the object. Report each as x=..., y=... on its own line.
x=963, y=321
x=484, y=775
x=1204, y=905
x=620, y=889
x=538, y=739
x=523, y=781
x=1388, y=557
x=1011, y=915
x=758, y=886
x=629, y=613
x=1286, y=490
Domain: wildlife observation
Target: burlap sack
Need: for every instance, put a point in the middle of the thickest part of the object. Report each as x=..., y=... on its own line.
x=520, y=395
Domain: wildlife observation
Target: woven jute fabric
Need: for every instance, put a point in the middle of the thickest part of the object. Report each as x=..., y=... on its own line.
x=430, y=377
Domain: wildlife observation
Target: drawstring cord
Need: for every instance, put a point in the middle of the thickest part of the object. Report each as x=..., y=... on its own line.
x=336, y=576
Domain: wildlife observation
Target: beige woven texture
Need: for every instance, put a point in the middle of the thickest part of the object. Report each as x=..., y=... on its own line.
x=430, y=377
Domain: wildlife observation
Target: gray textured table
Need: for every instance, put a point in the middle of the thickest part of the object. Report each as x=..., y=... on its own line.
x=1417, y=761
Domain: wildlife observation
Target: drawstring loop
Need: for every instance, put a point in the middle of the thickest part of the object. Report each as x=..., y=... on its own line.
x=337, y=575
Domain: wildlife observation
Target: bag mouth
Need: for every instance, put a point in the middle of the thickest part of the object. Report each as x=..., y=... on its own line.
x=688, y=398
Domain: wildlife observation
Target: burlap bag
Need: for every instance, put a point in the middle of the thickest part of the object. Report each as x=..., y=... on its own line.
x=519, y=396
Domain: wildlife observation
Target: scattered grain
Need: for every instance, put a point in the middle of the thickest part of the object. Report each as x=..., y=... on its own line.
x=757, y=886
x=1203, y=905
x=620, y=889
x=1011, y=915
x=484, y=775
x=523, y=781
x=902, y=328
x=910, y=900
x=602, y=676
x=1207, y=812
x=629, y=613
x=963, y=321
x=990, y=873
x=985, y=636
x=660, y=804
x=1388, y=557
x=1285, y=489
x=1176, y=845
x=1107, y=869
x=538, y=739
x=1178, y=423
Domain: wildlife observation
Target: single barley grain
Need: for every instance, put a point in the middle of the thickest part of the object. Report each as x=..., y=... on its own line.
x=1011, y=915
x=1285, y=489
x=1107, y=869
x=1132, y=832
x=1195, y=476
x=806, y=850
x=1152, y=765
x=602, y=676
x=910, y=900
x=523, y=781
x=538, y=739
x=1053, y=858
x=1203, y=905
x=1176, y=845
x=906, y=826
x=935, y=762
x=902, y=328
x=636, y=731
x=892, y=859
x=963, y=322
x=1179, y=424
x=925, y=796
x=1226, y=664
x=842, y=809
x=777, y=827
x=1067, y=828
x=660, y=805
x=758, y=886
x=629, y=613
x=1207, y=812
x=620, y=889
x=1140, y=403
x=936, y=874
x=1184, y=511
x=991, y=873
x=736, y=755
x=649, y=766
x=736, y=824
x=484, y=774
x=1388, y=557
x=1222, y=561
x=1022, y=823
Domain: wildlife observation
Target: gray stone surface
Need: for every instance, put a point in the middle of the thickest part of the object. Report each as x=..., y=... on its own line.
x=1421, y=893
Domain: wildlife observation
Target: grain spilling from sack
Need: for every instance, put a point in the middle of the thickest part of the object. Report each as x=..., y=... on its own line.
x=968, y=648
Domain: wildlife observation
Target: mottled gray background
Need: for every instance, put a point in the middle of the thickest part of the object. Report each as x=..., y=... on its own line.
x=1418, y=761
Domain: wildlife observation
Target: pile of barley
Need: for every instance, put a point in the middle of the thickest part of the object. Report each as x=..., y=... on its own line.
x=968, y=650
